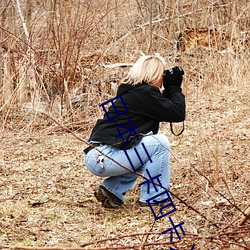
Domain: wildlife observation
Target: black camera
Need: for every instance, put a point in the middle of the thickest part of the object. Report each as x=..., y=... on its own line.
x=171, y=70
x=173, y=76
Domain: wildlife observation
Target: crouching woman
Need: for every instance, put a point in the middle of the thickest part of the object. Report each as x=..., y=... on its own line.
x=128, y=133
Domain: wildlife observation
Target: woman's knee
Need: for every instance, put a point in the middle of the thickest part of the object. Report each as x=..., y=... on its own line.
x=157, y=139
x=162, y=140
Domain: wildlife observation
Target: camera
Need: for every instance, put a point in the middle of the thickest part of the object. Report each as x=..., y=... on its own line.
x=173, y=76
x=171, y=70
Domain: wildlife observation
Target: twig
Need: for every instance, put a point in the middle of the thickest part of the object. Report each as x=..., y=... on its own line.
x=38, y=248
x=218, y=190
x=217, y=163
x=234, y=220
x=144, y=243
x=246, y=217
x=215, y=237
x=111, y=66
x=130, y=32
x=19, y=11
x=119, y=237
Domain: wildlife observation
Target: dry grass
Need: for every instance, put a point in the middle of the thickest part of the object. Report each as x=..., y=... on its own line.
x=46, y=193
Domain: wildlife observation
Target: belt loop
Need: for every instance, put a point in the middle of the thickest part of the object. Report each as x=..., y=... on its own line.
x=92, y=146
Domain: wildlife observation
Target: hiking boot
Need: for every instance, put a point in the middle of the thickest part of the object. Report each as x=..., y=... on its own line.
x=107, y=199
x=145, y=206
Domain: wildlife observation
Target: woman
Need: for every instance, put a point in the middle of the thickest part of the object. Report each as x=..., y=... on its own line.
x=130, y=128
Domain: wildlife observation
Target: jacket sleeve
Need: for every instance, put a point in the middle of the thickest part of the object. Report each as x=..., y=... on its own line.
x=169, y=107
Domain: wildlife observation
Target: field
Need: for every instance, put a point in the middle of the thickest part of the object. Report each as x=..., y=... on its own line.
x=46, y=192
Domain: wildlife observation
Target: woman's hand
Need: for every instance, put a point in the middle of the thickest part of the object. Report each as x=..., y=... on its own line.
x=173, y=77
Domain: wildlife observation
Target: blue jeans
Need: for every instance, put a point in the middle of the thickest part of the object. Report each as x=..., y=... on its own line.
x=120, y=180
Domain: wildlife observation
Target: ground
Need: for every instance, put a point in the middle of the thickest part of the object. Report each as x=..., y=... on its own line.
x=46, y=192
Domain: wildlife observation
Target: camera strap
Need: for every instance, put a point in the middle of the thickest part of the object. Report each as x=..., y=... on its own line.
x=172, y=130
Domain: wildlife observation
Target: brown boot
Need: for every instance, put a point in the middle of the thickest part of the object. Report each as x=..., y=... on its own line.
x=107, y=199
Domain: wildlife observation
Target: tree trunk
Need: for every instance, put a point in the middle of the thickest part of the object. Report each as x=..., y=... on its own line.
x=6, y=67
x=28, y=87
x=171, y=20
x=203, y=20
x=150, y=10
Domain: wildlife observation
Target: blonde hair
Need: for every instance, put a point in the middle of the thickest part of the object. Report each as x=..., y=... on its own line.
x=148, y=69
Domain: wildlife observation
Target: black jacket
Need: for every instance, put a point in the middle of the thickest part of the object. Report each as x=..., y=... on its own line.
x=147, y=106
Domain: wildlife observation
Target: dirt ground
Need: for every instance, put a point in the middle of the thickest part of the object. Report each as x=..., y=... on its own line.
x=46, y=192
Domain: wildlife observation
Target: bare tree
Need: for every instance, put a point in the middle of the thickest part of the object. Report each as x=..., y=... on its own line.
x=6, y=62
x=150, y=10
x=171, y=19
x=203, y=22
x=27, y=84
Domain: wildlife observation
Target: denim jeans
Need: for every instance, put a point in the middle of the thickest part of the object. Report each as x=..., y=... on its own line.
x=120, y=180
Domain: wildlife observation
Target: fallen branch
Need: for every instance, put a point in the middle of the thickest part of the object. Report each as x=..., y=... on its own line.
x=115, y=65
x=193, y=237
x=246, y=217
